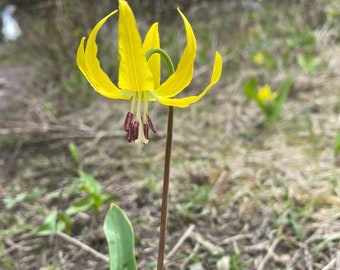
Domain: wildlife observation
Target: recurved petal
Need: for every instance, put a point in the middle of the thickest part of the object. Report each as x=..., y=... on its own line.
x=152, y=41
x=90, y=66
x=184, y=102
x=182, y=77
x=134, y=72
x=81, y=57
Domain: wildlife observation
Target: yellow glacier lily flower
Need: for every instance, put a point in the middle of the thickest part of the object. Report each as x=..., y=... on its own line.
x=265, y=94
x=258, y=58
x=139, y=77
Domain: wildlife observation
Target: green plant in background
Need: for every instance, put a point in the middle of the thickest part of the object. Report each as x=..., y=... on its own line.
x=55, y=221
x=139, y=79
x=332, y=11
x=61, y=221
x=72, y=147
x=270, y=102
x=301, y=46
x=12, y=201
x=264, y=58
x=337, y=144
x=301, y=39
x=307, y=63
x=94, y=198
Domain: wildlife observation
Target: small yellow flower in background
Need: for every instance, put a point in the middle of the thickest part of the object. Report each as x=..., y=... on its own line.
x=265, y=94
x=139, y=77
x=258, y=58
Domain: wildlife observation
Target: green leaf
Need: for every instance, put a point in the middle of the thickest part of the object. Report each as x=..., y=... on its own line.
x=80, y=206
x=109, y=197
x=249, y=88
x=12, y=201
x=280, y=100
x=66, y=220
x=337, y=144
x=269, y=60
x=306, y=63
x=74, y=152
x=31, y=195
x=51, y=225
x=91, y=185
x=97, y=201
x=119, y=235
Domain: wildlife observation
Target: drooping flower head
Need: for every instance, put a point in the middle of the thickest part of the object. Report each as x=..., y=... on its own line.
x=139, y=75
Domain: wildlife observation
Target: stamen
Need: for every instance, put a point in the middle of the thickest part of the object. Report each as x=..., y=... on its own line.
x=135, y=129
x=150, y=124
x=129, y=134
x=136, y=125
x=146, y=131
x=128, y=121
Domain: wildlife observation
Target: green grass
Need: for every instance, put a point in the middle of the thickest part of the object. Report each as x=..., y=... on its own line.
x=248, y=187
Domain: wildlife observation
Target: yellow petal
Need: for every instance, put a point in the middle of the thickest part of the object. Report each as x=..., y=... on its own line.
x=90, y=66
x=182, y=77
x=151, y=41
x=265, y=94
x=184, y=102
x=134, y=72
x=81, y=57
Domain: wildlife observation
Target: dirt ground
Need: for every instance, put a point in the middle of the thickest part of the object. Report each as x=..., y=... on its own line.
x=13, y=81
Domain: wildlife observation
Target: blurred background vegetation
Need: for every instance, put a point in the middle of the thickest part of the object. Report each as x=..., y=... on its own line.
x=50, y=29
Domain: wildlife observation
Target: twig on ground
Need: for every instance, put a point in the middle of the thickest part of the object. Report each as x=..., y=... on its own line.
x=308, y=258
x=329, y=239
x=212, y=248
x=217, y=185
x=181, y=241
x=236, y=247
x=296, y=256
x=331, y=265
x=269, y=254
x=15, y=246
x=257, y=247
x=192, y=254
x=83, y=246
x=237, y=238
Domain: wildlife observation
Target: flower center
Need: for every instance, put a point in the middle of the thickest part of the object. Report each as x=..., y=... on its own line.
x=137, y=129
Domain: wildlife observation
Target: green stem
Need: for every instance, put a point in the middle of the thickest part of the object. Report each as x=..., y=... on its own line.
x=165, y=194
x=166, y=179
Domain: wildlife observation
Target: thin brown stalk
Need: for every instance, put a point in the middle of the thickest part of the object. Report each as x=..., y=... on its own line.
x=165, y=194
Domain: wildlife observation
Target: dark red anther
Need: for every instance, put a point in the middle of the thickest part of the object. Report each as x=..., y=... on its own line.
x=129, y=134
x=150, y=123
x=128, y=121
x=135, y=129
x=146, y=131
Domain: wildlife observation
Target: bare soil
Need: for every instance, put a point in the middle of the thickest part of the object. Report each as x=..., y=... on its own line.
x=13, y=82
